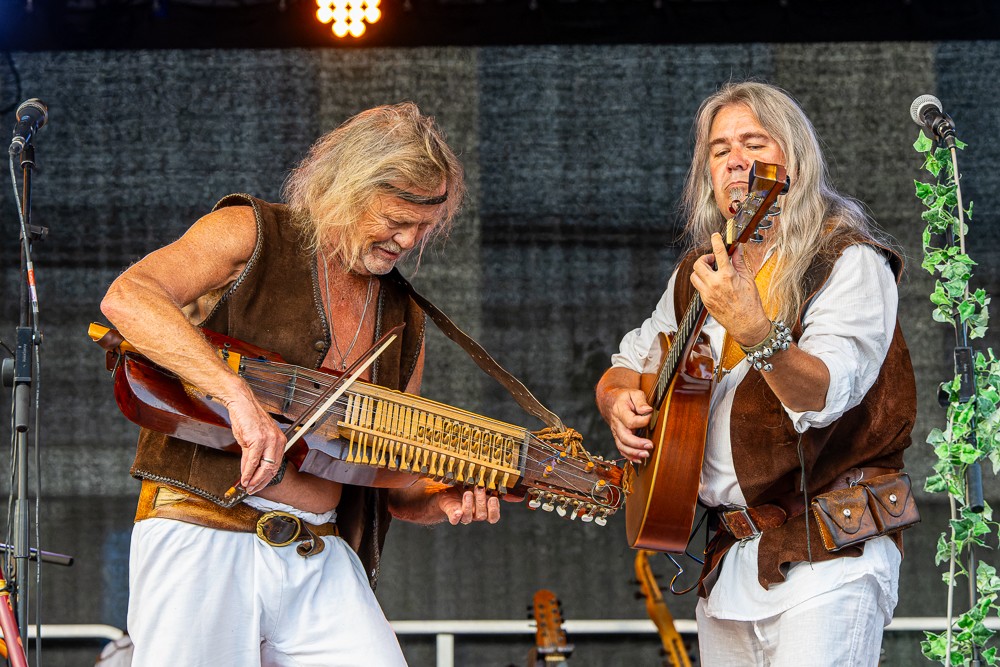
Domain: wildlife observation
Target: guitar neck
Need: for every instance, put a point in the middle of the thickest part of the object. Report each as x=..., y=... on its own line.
x=687, y=329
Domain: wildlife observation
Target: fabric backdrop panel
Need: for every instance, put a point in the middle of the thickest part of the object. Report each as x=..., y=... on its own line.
x=575, y=157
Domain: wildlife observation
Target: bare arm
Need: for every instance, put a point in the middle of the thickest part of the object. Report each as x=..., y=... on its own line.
x=145, y=304
x=625, y=409
x=799, y=380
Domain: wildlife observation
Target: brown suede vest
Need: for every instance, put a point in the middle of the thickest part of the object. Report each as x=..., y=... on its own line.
x=275, y=304
x=765, y=444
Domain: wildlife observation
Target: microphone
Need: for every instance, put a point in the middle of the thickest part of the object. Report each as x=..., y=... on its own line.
x=926, y=111
x=31, y=116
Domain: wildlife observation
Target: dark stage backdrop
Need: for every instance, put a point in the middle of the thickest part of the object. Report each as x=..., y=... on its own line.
x=575, y=159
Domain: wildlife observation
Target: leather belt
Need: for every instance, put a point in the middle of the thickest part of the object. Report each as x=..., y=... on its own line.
x=279, y=529
x=745, y=523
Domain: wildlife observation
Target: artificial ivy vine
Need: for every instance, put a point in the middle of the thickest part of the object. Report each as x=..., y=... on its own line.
x=972, y=432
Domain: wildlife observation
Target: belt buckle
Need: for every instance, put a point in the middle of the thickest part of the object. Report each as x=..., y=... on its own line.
x=283, y=516
x=744, y=512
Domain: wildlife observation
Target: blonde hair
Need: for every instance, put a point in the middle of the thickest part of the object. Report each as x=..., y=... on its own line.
x=812, y=211
x=377, y=151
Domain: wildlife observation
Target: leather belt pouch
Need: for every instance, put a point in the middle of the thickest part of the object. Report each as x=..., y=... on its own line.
x=891, y=502
x=870, y=508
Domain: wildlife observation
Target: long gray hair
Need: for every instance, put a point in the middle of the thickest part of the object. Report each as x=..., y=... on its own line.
x=370, y=153
x=812, y=211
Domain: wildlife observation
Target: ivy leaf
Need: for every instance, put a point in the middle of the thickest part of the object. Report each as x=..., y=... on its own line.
x=924, y=190
x=966, y=309
x=940, y=316
x=943, y=551
x=923, y=144
x=933, y=165
x=935, y=484
x=981, y=634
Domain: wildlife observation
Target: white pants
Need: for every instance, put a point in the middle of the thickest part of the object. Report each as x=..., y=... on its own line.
x=840, y=628
x=203, y=597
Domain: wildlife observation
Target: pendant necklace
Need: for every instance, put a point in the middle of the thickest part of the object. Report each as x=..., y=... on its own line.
x=333, y=328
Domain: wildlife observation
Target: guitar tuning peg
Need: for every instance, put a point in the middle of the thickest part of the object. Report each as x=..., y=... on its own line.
x=561, y=507
x=639, y=595
x=756, y=238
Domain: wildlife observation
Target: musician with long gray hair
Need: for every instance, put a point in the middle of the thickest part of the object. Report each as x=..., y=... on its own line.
x=310, y=280
x=830, y=409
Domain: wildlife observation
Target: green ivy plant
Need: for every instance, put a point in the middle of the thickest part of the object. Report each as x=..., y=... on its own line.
x=972, y=431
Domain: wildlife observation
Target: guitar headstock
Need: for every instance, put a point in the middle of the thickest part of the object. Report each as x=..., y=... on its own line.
x=561, y=476
x=765, y=183
x=550, y=637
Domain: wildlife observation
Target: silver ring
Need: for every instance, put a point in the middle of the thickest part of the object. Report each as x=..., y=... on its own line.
x=267, y=460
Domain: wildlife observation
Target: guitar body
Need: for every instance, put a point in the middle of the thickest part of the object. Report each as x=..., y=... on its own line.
x=660, y=511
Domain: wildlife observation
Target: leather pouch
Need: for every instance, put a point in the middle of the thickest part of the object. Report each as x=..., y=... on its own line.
x=891, y=502
x=844, y=517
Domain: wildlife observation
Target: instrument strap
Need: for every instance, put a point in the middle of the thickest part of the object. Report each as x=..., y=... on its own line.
x=482, y=358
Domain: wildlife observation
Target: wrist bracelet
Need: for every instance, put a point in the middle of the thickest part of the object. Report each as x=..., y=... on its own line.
x=777, y=339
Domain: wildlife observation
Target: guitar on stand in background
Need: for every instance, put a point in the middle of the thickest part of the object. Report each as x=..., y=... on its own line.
x=551, y=647
x=674, y=651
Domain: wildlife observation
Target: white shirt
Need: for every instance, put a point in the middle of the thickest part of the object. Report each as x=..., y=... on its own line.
x=849, y=326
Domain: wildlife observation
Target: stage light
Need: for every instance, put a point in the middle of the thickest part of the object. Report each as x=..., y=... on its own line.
x=348, y=16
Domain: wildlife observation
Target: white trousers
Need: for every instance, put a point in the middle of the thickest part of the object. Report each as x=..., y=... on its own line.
x=203, y=597
x=840, y=628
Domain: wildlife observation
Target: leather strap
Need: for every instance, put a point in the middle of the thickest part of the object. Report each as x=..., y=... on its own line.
x=161, y=501
x=482, y=358
x=746, y=522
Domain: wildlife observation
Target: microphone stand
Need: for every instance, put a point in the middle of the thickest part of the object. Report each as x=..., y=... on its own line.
x=965, y=369
x=19, y=373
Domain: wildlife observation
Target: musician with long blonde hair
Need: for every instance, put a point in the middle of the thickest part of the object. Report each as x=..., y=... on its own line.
x=310, y=280
x=812, y=391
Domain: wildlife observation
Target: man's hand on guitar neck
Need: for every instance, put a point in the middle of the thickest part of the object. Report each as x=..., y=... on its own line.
x=729, y=293
x=623, y=406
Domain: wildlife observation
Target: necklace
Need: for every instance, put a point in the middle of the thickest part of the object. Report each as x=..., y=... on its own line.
x=333, y=328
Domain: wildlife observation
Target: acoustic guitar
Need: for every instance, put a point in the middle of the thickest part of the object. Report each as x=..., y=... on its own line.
x=551, y=647
x=371, y=435
x=675, y=652
x=661, y=509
